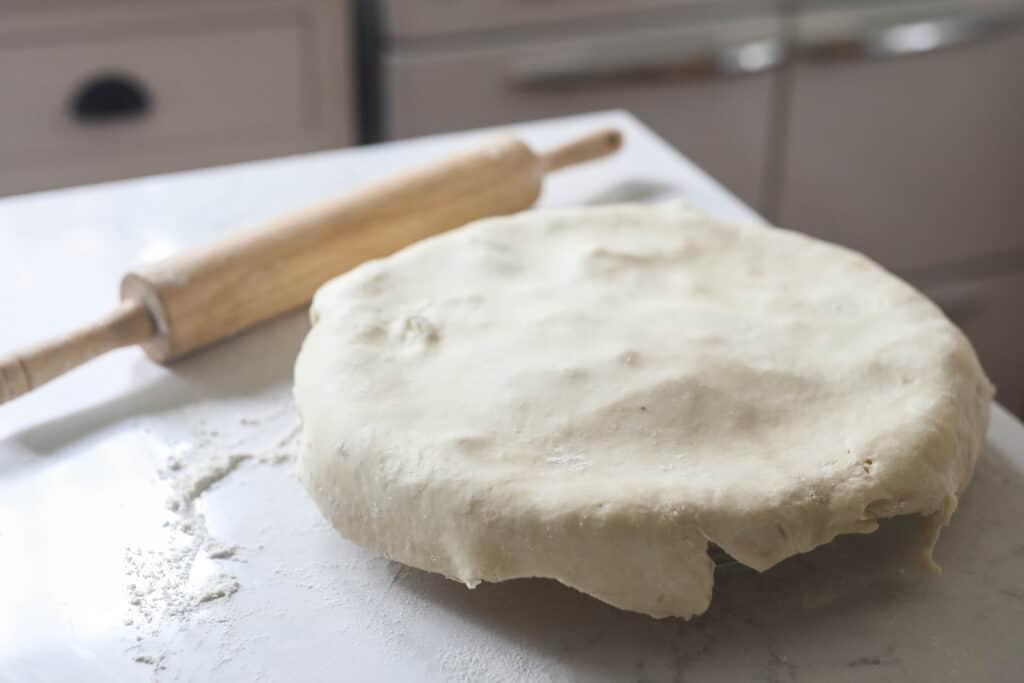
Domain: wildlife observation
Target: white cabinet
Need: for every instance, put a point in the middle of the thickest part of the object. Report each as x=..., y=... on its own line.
x=703, y=82
x=906, y=131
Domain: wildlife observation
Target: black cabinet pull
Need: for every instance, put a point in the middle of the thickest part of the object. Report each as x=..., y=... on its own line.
x=110, y=97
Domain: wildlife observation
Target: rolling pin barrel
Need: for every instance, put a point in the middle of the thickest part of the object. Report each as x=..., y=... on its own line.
x=244, y=278
x=205, y=294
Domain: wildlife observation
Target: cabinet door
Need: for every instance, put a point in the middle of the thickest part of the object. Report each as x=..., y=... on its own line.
x=989, y=313
x=706, y=87
x=906, y=131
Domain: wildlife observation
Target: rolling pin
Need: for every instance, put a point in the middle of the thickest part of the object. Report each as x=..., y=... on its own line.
x=201, y=295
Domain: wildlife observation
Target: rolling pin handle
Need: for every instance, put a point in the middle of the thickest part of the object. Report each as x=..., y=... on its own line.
x=20, y=372
x=594, y=145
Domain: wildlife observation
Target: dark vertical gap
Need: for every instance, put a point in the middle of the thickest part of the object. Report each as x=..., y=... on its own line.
x=774, y=172
x=369, y=45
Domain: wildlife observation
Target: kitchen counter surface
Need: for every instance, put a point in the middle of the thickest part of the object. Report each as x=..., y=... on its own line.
x=151, y=527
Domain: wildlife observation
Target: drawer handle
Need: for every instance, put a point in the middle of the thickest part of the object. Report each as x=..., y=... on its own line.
x=915, y=37
x=594, y=69
x=110, y=97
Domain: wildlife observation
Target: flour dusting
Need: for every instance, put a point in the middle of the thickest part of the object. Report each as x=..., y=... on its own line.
x=220, y=586
x=219, y=551
x=172, y=583
x=201, y=477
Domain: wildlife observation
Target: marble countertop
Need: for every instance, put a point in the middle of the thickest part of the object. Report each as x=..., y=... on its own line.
x=102, y=580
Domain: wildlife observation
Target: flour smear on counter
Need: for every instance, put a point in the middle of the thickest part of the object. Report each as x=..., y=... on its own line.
x=170, y=583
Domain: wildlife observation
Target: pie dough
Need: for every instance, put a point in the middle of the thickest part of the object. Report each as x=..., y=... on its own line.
x=594, y=395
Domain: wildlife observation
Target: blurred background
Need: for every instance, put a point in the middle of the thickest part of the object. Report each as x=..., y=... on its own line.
x=895, y=127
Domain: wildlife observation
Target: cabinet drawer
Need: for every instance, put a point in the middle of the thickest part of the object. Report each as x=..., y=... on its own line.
x=706, y=87
x=155, y=89
x=906, y=133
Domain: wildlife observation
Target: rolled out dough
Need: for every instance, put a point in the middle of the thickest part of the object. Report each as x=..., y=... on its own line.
x=594, y=395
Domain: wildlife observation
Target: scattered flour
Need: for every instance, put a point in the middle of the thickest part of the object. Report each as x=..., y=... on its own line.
x=284, y=450
x=157, y=662
x=216, y=550
x=168, y=585
x=220, y=586
x=201, y=477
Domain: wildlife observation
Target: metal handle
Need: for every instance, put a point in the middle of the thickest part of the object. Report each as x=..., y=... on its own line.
x=593, y=69
x=909, y=38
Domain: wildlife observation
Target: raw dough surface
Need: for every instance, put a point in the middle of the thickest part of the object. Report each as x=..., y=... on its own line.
x=592, y=395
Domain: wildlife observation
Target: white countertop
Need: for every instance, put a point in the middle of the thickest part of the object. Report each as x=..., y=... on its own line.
x=87, y=465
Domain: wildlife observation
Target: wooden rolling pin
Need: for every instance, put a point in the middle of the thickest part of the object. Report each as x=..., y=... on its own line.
x=202, y=295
